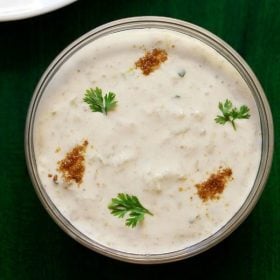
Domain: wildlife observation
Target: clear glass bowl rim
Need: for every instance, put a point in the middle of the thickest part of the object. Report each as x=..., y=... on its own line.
x=225, y=50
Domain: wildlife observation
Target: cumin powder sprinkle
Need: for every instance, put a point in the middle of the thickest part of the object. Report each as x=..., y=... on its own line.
x=72, y=166
x=151, y=61
x=55, y=178
x=215, y=184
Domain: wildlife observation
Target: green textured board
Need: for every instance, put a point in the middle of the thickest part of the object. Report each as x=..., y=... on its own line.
x=32, y=246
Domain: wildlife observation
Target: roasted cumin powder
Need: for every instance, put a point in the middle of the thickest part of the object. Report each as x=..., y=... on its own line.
x=151, y=61
x=72, y=166
x=214, y=185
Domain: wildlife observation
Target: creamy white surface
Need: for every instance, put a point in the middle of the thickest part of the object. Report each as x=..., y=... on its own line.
x=150, y=142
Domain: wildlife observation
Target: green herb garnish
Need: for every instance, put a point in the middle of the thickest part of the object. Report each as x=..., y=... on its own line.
x=98, y=103
x=128, y=204
x=230, y=114
x=182, y=73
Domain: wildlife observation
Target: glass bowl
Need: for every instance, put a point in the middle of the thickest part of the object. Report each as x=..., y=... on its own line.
x=224, y=50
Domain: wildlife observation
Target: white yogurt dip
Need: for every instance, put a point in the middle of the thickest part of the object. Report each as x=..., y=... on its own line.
x=158, y=144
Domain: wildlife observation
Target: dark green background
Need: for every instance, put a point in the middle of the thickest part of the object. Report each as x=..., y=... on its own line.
x=32, y=246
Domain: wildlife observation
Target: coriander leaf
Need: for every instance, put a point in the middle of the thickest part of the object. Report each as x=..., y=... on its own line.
x=227, y=107
x=244, y=112
x=96, y=102
x=220, y=119
x=95, y=99
x=230, y=114
x=110, y=103
x=128, y=204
